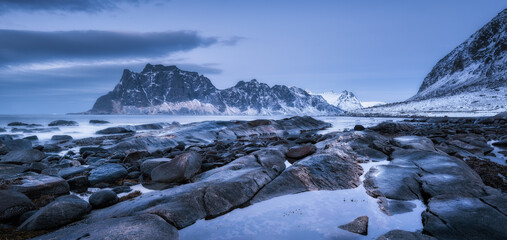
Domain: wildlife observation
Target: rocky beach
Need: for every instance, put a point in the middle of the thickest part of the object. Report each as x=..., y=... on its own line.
x=151, y=181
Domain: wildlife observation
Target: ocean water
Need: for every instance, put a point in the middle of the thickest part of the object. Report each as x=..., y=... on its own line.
x=85, y=129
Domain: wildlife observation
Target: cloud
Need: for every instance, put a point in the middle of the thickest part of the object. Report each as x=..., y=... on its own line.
x=31, y=47
x=90, y=6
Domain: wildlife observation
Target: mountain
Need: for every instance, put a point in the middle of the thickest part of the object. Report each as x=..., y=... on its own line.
x=162, y=89
x=471, y=78
x=345, y=100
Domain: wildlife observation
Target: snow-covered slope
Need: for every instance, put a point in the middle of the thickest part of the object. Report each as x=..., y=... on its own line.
x=345, y=100
x=371, y=104
x=162, y=89
x=472, y=78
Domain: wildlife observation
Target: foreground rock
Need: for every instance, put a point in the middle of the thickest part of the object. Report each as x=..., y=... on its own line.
x=35, y=185
x=23, y=156
x=316, y=172
x=108, y=172
x=144, y=226
x=148, y=165
x=181, y=168
x=358, y=225
x=102, y=199
x=13, y=204
x=298, y=152
x=63, y=210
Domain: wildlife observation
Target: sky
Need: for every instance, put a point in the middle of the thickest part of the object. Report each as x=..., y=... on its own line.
x=59, y=56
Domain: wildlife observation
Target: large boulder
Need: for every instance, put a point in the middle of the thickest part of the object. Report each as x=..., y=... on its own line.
x=13, y=204
x=61, y=138
x=71, y=171
x=181, y=168
x=316, y=172
x=62, y=211
x=63, y=123
x=148, y=165
x=35, y=185
x=299, y=152
x=116, y=130
x=108, y=172
x=23, y=156
x=144, y=226
x=98, y=121
x=103, y=198
x=414, y=142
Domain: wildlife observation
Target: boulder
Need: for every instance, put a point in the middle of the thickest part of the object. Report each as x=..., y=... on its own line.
x=13, y=204
x=78, y=184
x=32, y=138
x=148, y=165
x=132, y=157
x=181, y=168
x=98, y=122
x=52, y=148
x=18, y=124
x=17, y=144
x=403, y=235
x=35, y=185
x=62, y=211
x=359, y=128
x=69, y=172
x=63, y=123
x=2, y=130
x=358, y=225
x=392, y=127
x=144, y=226
x=103, y=198
x=23, y=156
x=414, y=142
x=316, y=172
x=299, y=152
x=501, y=143
x=61, y=138
x=108, y=172
x=92, y=149
x=116, y=130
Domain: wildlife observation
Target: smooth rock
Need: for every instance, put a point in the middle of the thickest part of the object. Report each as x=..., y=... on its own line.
x=404, y=235
x=181, y=168
x=63, y=123
x=62, y=211
x=61, y=138
x=108, y=172
x=78, y=184
x=98, y=122
x=13, y=204
x=148, y=165
x=116, y=130
x=358, y=225
x=23, y=156
x=359, y=128
x=103, y=198
x=69, y=172
x=299, y=152
x=35, y=185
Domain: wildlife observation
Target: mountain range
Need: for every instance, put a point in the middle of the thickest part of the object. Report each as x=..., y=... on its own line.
x=345, y=100
x=162, y=89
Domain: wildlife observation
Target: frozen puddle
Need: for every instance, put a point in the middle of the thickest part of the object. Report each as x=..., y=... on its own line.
x=308, y=215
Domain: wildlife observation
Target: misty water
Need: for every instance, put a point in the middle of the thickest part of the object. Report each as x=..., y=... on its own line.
x=85, y=129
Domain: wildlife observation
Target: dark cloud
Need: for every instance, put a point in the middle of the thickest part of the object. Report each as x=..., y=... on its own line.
x=65, y=5
x=19, y=47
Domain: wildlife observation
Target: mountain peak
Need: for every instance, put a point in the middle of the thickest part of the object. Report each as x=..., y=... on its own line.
x=158, y=68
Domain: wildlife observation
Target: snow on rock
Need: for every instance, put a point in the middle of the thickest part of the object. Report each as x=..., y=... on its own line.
x=345, y=100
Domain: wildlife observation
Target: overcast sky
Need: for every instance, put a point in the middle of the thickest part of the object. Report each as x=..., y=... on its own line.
x=58, y=56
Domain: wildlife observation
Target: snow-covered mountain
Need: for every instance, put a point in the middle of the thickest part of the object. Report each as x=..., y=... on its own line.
x=345, y=100
x=471, y=78
x=162, y=89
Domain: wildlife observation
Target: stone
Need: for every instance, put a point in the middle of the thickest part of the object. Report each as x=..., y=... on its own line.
x=52, y=148
x=393, y=127
x=17, y=144
x=98, y=121
x=69, y=172
x=414, y=142
x=62, y=211
x=78, y=184
x=37, y=167
x=181, y=168
x=501, y=143
x=63, y=123
x=132, y=157
x=35, y=185
x=148, y=165
x=107, y=173
x=116, y=130
x=300, y=152
x=358, y=225
x=144, y=226
x=359, y=128
x=316, y=172
x=32, y=138
x=13, y=204
x=61, y=138
x=103, y=198
x=403, y=235
x=92, y=149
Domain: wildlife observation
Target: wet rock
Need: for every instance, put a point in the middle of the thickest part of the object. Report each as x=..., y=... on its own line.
x=63, y=123
x=103, y=198
x=181, y=168
x=92, y=149
x=63, y=210
x=450, y=217
x=78, y=184
x=2, y=130
x=316, y=172
x=107, y=173
x=13, y=204
x=299, y=152
x=52, y=148
x=35, y=185
x=148, y=165
x=145, y=226
x=403, y=235
x=31, y=138
x=23, y=156
x=132, y=157
x=133, y=175
x=17, y=144
x=69, y=172
x=392, y=207
x=501, y=143
x=61, y=138
x=17, y=124
x=491, y=173
x=359, y=226
x=37, y=167
x=414, y=142
x=98, y=122
x=394, y=182
x=116, y=130
x=359, y=128
x=150, y=126
x=392, y=127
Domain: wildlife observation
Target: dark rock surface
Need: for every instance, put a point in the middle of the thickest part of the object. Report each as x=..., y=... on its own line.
x=13, y=204
x=144, y=226
x=35, y=185
x=63, y=123
x=108, y=172
x=103, y=198
x=403, y=235
x=148, y=165
x=23, y=156
x=299, y=152
x=116, y=130
x=98, y=121
x=358, y=225
x=61, y=138
x=181, y=168
x=63, y=210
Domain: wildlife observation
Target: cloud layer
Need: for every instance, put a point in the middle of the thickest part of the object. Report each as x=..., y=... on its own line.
x=20, y=47
x=64, y=5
